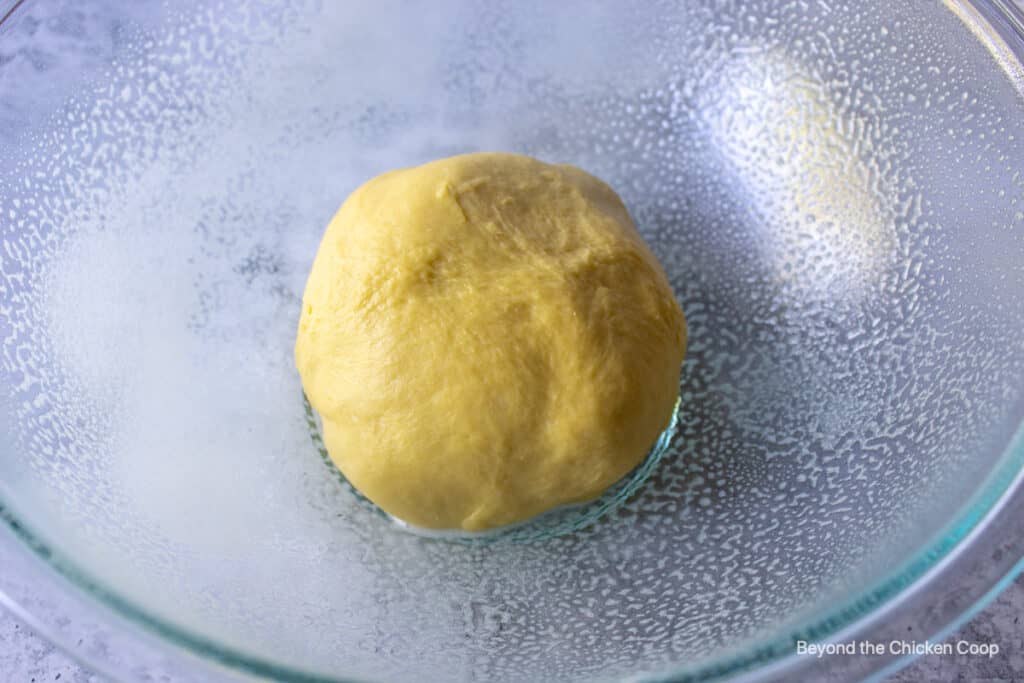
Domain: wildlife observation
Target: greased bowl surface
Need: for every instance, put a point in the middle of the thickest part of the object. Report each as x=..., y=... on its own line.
x=836, y=193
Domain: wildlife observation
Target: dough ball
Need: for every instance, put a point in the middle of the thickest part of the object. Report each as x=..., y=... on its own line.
x=487, y=337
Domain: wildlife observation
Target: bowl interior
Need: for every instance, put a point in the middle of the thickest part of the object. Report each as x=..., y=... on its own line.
x=835, y=192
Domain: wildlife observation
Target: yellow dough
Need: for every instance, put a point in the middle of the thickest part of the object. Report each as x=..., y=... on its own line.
x=487, y=337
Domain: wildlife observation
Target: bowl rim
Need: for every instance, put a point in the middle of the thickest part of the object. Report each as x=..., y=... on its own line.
x=989, y=514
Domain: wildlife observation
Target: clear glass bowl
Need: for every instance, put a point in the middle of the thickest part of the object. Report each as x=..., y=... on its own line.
x=837, y=195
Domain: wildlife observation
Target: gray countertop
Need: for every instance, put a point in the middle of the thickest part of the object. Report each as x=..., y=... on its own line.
x=27, y=658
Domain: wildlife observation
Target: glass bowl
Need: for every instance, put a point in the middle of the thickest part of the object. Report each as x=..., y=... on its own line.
x=836, y=192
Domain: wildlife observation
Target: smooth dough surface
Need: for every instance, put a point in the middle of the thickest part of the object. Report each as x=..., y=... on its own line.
x=487, y=337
